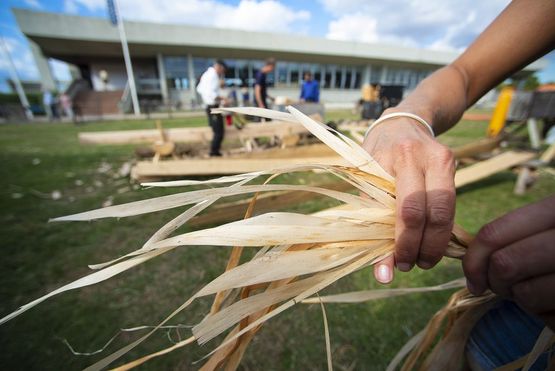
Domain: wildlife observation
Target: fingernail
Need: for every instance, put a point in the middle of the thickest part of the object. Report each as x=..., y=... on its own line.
x=384, y=273
x=403, y=267
x=425, y=265
x=474, y=290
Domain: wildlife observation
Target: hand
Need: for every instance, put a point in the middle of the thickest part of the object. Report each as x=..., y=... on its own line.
x=424, y=174
x=514, y=256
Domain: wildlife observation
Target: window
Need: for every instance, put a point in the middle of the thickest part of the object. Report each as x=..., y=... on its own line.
x=281, y=73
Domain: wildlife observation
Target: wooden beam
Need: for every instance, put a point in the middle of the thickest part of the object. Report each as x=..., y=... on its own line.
x=180, y=168
x=192, y=135
x=475, y=148
x=310, y=150
x=265, y=202
x=491, y=166
x=548, y=155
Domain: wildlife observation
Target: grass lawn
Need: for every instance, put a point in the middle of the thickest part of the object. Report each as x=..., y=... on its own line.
x=37, y=257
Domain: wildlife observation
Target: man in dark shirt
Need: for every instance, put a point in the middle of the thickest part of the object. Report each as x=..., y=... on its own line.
x=310, y=91
x=260, y=93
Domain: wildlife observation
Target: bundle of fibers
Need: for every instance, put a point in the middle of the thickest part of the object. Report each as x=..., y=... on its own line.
x=298, y=255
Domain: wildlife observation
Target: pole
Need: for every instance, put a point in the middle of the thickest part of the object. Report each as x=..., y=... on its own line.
x=15, y=78
x=128, y=66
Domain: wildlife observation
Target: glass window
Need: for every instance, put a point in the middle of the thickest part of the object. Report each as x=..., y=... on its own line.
x=356, y=78
x=281, y=73
x=375, y=74
x=294, y=74
x=317, y=72
x=348, y=71
x=330, y=76
x=200, y=65
x=338, y=81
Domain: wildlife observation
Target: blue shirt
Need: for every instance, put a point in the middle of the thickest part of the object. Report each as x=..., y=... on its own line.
x=310, y=91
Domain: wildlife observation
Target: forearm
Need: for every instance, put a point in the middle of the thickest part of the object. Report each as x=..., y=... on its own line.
x=440, y=99
x=523, y=32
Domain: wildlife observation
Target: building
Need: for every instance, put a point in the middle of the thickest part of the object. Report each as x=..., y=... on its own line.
x=169, y=59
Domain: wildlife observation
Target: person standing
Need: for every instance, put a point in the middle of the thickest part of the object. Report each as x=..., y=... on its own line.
x=65, y=102
x=310, y=90
x=209, y=90
x=260, y=87
x=47, y=101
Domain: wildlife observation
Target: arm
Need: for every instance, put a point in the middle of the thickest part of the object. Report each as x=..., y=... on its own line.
x=423, y=168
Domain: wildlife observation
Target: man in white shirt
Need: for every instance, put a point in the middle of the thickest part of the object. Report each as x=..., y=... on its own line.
x=208, y=88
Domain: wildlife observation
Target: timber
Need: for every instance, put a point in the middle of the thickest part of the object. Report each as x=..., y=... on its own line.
x=491, y=166
x=475, y=148
x=310, y=150
x=179, y=168
x=192, y=135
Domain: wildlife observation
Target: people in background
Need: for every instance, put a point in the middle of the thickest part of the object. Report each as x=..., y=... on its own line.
x=230, y=100
x=66, y=104
x=209, y=90
x=245, y=96
x=47, y=102
x=260, y=88
x=310, y=90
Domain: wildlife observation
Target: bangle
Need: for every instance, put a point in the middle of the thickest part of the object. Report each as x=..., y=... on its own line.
x=417, y=118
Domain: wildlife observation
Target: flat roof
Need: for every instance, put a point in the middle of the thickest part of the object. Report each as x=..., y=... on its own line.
x=75, y=39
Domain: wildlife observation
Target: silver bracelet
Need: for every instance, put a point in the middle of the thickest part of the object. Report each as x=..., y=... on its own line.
x=417, y=118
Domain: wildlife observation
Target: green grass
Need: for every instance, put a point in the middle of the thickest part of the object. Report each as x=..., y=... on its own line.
x=37, y=257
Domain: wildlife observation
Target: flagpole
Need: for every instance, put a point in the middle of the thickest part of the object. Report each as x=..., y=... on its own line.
x=17, y=83
x=128, y=66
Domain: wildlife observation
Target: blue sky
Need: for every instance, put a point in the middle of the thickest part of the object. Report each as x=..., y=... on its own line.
x=435, y=24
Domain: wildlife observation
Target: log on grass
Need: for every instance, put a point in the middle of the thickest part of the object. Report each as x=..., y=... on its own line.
x=179, y=168
x=191, y=135
x=491, y=166
x=475, y=148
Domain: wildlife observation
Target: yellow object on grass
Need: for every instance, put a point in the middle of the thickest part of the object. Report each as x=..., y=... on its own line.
x=499, y=117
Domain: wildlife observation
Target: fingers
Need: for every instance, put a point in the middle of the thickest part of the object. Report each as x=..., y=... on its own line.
x=383, y=270
x=512, y=227
x=440, y=207
x=536, y=294
x=530, y=257
x=411, y=206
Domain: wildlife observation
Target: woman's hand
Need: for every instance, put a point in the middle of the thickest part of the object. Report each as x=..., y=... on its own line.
x=424, y=174
x=514, y=256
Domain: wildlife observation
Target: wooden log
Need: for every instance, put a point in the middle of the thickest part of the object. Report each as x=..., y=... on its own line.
x=265, y=202
x=475, y=148
x=182, y=168
x=523, y=181
x=311, y=150
x=548, y=155
x=491, y=166
x=192, y=135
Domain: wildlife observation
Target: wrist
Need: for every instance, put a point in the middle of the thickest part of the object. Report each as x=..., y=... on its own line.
x=426, y=114
x=408, y=117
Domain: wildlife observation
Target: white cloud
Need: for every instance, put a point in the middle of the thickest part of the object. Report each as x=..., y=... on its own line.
x=354, y=27
x=434, y=24
x=22, y=59
x=33, y=4
x=251, y=15
x=60, y=70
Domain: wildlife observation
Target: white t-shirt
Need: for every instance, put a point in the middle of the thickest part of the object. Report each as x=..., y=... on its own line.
x=209, y=86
